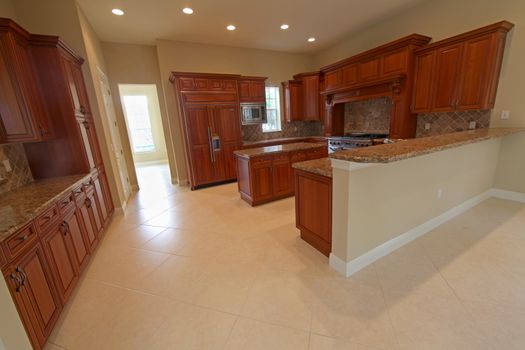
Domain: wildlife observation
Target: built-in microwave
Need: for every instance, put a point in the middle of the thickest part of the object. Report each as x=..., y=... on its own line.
x=253, y=113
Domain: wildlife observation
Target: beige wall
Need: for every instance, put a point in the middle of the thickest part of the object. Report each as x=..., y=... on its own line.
x=7, y=9
x=12, y=333
x=136, y=64
x=376, y=204
x=445, y=18
x=188, y=57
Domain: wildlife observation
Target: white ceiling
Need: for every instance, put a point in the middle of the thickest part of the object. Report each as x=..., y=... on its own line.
x=257, y=21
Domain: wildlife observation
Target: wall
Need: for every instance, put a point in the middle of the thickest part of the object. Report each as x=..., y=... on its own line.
x=188, y=57
x=368, y=115
x=462, y=173
x=12, y=333
x=447, y=122
x=7, y=9
x=136, y=64
x=445, y=18
x=150, y=91
x=251, y=133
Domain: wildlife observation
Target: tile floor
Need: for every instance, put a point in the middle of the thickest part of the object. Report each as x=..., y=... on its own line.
x=203, y=270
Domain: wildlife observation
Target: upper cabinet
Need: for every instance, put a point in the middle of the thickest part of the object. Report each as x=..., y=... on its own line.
x=460, y=73
x=23, y=116
x=302, y=97
x=252, y=89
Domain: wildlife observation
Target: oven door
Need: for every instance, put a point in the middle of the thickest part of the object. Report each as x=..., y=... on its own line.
x=253, y=114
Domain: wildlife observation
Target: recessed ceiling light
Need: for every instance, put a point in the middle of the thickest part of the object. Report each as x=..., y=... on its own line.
x=285, y=26
x=230, y=27
x=118, y=12
x=187, y=10
x=311, y=40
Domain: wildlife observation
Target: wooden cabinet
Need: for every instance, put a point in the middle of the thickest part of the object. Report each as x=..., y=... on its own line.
x=72, y=226
x=460, y=73
x=313, y=209
x=293, y=100
x=252, y=89
x=32, y=288
x=310, y=84
x=86, y=214
x=302, y=97
x=23, y=117
x=270, y=177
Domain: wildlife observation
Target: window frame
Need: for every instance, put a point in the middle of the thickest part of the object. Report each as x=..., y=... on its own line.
x=131, y=130
x=277, y=109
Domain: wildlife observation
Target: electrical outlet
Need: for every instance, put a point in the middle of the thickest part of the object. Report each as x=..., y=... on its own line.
x=7, y=165
x=472, y=125
x=427, y=126
x=505, y=114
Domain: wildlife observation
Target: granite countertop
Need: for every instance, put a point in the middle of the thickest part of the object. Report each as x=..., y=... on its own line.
x=321, y=166
x=262, y=143
x=21, y=205
x=417, y=147
x=289, y=147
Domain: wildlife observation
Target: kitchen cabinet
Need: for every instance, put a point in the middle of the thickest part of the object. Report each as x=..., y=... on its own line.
x=313, y=209
x=302, y=97
x=460, y=73
x=86, y=214
x=211, y=124
x=252, y=89
x=270, y=177
x=72, y=226
x=23, y=116
x=293, y=100
x=31, y=286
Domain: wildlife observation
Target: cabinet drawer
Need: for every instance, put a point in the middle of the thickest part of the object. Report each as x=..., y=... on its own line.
x=20, y=240
x=66, y=203
x=259, y=160
x=316, y=153
x=281, y=159
x=47, y=218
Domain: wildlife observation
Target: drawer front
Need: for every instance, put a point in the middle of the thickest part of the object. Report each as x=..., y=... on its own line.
x=66, y=203
x=259, y=160
x=316, y=153
x=21, y=240
x=47, y=219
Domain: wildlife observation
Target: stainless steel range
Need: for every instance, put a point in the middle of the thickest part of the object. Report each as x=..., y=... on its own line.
x=352, y=140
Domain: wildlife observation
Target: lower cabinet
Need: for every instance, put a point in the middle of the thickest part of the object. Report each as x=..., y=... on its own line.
x=30, y=282
x=86, y=214
x=79, y=243
x=313, y=209
x=270, y=177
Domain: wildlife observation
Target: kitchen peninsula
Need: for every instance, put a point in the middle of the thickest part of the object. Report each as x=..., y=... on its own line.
x=412, y=185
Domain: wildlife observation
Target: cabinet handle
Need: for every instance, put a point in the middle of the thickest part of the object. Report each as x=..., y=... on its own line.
x=82, y=109
x=88, y=202
x=64, y=228
x=47, y=218
x=66, y=202
x=78, y=192
x=210, y=142
x=23, y=279
x=18, y=281
x=23, y=238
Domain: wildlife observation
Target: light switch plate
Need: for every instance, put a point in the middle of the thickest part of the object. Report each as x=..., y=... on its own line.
x=505, y=114
x=472, y=125
x=7, y=165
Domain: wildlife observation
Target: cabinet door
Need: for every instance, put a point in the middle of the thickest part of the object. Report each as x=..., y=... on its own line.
x=293, y=100
x=16, y=121
x=89, y=226
x=244, y=90
x=282, y=179
x=369, y=70
x=198, y=133
x=33, y=291
x=105, y=191
x=257, y=93
x=75, y=230
x=94, y=211
x=86, y=133
x=262, y=180
x=226, y=125
x=101, y=199
x=77, y=89
x=333, y=79
x=475, y=70
x=446, y=77
x=311, y=97
x=421, y=101
x=58, y=247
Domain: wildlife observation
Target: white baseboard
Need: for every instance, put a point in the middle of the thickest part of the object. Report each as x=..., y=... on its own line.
x=508, y=195
x=351, y=267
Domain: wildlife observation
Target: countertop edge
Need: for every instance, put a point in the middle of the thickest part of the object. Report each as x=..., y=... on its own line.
x=243, y=152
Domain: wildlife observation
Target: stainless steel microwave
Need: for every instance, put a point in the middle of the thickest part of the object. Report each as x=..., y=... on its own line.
x=253, y=113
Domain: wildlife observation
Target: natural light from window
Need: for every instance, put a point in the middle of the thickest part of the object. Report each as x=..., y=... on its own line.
x=273, y=110
x=139, y=123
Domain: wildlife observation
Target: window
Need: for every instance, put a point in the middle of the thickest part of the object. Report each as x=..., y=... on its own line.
x=273, y=110
x=139, y=123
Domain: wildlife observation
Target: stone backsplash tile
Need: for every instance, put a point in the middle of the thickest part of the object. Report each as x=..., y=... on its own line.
x=368, y=115
x=447, y=122
x=20, y=174
x=288, y=129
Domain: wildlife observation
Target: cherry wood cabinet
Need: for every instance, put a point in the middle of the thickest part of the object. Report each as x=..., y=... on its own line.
x=293, y=100
x=270, y=177
x=23, y=117
x=302, y=97
x=460, y=73
x=72, y=226
x=252, y=89
x=30, y=283
x=313, y=209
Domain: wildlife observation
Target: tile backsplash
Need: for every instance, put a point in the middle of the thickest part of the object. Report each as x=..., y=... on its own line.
x=252, y=133
x=20, y=174
x=447, y=122
x=368, y=115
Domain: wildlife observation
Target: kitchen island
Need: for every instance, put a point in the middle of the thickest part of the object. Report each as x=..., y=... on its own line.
x=265, y=174
x=385, y=196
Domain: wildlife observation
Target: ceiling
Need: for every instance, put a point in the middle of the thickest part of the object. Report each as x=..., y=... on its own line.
x=257, y=21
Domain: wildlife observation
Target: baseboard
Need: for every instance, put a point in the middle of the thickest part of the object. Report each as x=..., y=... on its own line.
x=152, y=162
x=508, y=195
x=351, y=267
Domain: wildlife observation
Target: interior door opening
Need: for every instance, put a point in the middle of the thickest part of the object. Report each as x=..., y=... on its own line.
x=140, y=104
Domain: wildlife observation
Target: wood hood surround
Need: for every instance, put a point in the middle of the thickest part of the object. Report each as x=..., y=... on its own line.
x=385, y=71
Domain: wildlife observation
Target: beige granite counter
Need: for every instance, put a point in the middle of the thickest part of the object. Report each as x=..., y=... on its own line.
x=290, y=147
x=417, y=147
x=19, y=206
x=283, y=140
x=321, y=166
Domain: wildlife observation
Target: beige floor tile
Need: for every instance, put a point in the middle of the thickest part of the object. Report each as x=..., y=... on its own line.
x=134, y=237
x=319, y=342
x=255, y=335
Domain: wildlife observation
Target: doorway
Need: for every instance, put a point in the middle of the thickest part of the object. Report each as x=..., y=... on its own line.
x=140, y=104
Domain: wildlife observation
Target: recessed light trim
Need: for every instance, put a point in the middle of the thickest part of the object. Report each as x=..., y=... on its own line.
x=311, y=40
x=117, y=12
x=187, y=10
x=231, y=27
x=284, y=26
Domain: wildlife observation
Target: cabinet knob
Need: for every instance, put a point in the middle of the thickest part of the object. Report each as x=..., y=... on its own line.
x=82, y=109
x=88, y=202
